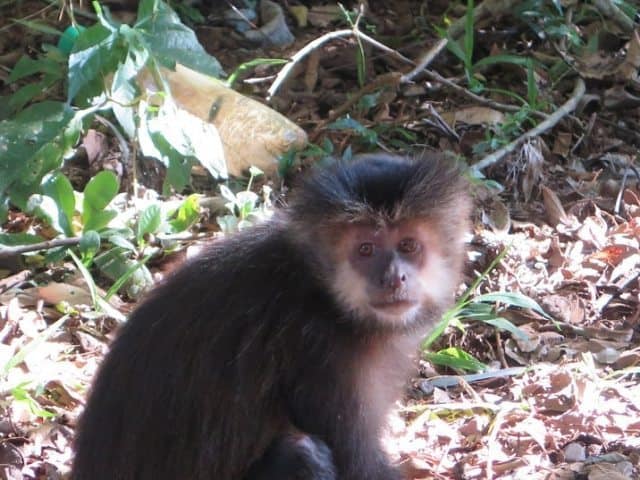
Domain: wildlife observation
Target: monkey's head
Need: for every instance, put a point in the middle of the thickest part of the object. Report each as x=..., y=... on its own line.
x=385, y=234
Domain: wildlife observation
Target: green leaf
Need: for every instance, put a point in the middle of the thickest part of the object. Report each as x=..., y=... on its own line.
x=97, y=220
x=169, y=40
x=513, y=299
x=93, y=290
x=33, y=143
x=124, y=92
x=59, y=188
x=15, y=239
x=98, y=193
x=24, y=95
x=186, y=215
x=454, y=47
x=120, y=282
x=178, y=138
x=100, y=190
x=247, y=66
x=122, y=242
x=98, y=301
x=89, y=245
x=96, y=53
x=20, y=394
x=45, y=208
x=27, y=66
x=69, y=37
x=115, y=263
x=504, y=324
x=149, y=221
x=456, y=358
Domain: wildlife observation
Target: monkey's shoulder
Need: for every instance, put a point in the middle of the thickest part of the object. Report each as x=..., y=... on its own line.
x=257, y=272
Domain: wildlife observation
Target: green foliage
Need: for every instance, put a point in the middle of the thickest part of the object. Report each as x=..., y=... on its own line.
x=352, y=18
x=103, y=66
x=117, y=263
x=366, y=135
x=125, y=261
x=464, y=51
x=250, y=65
x=49, y=69
x=482, y=308
x=98, y=193
x=546, y=18
x=34, y=144
x=245, y=207
x=21, y=393
x=15, y=239
x=185, y=215
x=148, y=222
x=89, y=245
x=455, y=358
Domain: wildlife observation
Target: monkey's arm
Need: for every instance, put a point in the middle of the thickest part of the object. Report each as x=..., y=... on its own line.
x=356, y=449
x=339, y=398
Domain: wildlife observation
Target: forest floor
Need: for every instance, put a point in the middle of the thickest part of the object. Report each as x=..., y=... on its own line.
x=557, y=193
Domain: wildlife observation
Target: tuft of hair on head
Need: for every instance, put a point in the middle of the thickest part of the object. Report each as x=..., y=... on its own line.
x=379, y=188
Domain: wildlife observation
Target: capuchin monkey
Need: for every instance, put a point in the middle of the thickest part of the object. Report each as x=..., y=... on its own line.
x=277, y=353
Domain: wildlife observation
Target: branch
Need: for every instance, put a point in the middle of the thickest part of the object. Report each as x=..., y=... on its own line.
x=9, y=252
x=307, y=49
x=504, y=107
x=550, y=122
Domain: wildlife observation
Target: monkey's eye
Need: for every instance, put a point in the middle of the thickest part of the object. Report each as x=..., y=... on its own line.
x=365, y=249
x=408, y=245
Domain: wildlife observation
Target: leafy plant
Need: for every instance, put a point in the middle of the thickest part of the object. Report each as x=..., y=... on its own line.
x=103, y=74
x=366, y=135
x=481, y=308
x=245, y=207
x=546, y=18
x=131, y=247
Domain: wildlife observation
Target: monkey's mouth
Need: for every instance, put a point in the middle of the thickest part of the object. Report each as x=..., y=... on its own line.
x=394, y=307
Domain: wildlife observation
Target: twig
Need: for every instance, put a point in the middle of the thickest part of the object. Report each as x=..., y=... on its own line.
x=610, y=10
x=8, y=252
x=477, y=98
x=241, y=14
x=300, y=54
x=550, y=122
x=13, y=280
x=282, y=75
x=425, y=61
x=391, y=79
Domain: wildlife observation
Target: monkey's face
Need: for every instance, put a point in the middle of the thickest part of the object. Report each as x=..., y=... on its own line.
x=391, y=273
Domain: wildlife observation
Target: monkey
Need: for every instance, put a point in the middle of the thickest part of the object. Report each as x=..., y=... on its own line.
x=277, y=352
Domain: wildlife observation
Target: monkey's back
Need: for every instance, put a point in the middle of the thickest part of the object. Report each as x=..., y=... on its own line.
x=193, y=380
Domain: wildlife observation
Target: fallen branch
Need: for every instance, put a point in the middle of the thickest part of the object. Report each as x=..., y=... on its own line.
x=425, y=61
x=307, y=49
x=8, y=252
x=568, y=107
x=504, y=107
x=391, y=79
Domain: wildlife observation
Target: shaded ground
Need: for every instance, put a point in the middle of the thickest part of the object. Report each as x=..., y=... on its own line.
x=564, y=203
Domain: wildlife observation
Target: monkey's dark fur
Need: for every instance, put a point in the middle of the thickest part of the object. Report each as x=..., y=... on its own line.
x=244, y=365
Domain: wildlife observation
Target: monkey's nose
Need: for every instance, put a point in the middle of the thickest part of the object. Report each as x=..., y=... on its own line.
x=393, y=280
